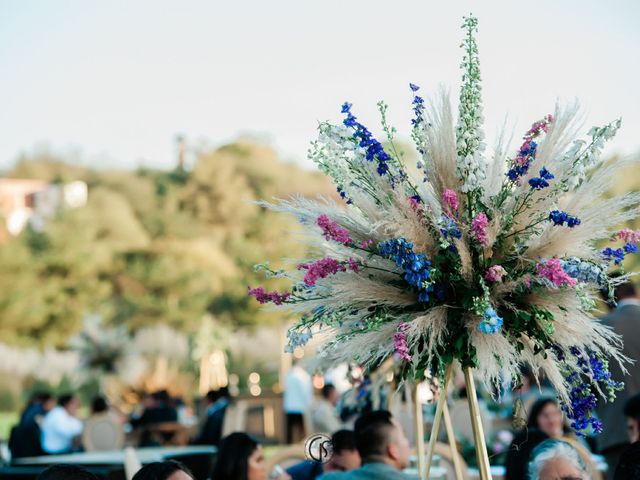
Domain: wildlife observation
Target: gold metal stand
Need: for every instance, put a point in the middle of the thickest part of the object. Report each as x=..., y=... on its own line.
x=419, y=431
x=440, y=406
x=476, y=424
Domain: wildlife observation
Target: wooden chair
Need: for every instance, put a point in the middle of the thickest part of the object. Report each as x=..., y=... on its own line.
x=102, y=432
x=286, y=457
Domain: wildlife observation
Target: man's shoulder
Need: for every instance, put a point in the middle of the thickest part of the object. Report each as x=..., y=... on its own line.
x=369, y=472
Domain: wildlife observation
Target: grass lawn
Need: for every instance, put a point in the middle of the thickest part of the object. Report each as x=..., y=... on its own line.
x=7, y=420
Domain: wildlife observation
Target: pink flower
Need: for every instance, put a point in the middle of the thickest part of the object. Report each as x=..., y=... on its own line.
x=265, y=297
x=479, y=228
x=415, y=204
x=366, y=243
x=527, y=281
x=495, y=274
x=321, y=269
x=353, y=265
x=628, y=235
x=450, y=199
x=553, y=271
x=400, y=346
x=333, y=231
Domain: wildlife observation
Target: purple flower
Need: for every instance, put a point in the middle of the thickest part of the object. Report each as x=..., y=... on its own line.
x=559, y=217
x=263, y=296
x=332, y=231
x=479, y=228
x=321, y=268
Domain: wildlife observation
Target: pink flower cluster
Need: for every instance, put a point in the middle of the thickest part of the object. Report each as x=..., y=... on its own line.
x=415, y=204
x=628, y=235
x=400, y=345
x=495, y=274
x=333, y=231
x=553, y=271
x=479, y=226
x=366, y=243
x=324, y=267
x=538, y=127
x=263, y=296
x=450, y=199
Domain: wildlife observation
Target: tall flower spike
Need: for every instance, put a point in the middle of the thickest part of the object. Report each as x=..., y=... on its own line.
x=469, y=134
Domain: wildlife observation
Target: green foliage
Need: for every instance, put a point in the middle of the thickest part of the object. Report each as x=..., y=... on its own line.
x=151, y=246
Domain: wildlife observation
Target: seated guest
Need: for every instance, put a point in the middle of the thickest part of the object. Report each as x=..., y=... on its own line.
x=555, y=459
x=324, y=416
x=632, y=412
x=65, y=472
x=629, y=465
x=240, y=457
x=546, y=416
x=167, y=470
x=61, y=426
x=157, y=410
x=383, y=448
x=519, y=453
x=40, y=404
x=217, y=403
x=344, y=458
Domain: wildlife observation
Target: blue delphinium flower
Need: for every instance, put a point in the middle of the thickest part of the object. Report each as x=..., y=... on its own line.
x=541, y=182
x=373, y=148
x=525, y=156
x=630, y=247
x=448, y=227
x=613, y=254
x=491, y=321
x=297, y=339
x=559, y=217
x=417, y=269
x=414, y=87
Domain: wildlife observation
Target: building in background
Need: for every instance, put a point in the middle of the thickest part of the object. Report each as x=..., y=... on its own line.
x=33, y=202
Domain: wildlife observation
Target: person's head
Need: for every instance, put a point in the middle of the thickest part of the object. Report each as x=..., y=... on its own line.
x=44, y=399
x=628, y=467
x=330, y=394
x=632, y=412
x=345, y=455
x=161, y=397
x=70, y=403
x=99, y=405
x=519, y=452
x=240, y=457
x=555, y=459
x=167, y=470
x=66, y=472
x=624, y=290
x=546, y=416
x=212, y=396
x=380, y=438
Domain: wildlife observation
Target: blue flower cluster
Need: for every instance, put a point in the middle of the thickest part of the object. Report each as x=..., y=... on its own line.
x=528, y=153
x=491, y=322
x=618, y=254
x=541, y=182
x=559, y=217
x=448, y=227
x=297, y=339
x=417, y=269
x=583, y=400
x=373, y=147
x=582, y=271
x=418, y=106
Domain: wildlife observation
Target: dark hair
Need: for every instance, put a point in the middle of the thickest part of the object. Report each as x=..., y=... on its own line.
x=632, y=407
x=233, y=457
x=161, y=396
x=629, y=464
x=64, y=400
x=536, y=410
x=624, y=290
x=161, y=470
x=66, y=472
x=215, y=395
x=343, y=440
x=99, y=404
x=372, y=433
x=40, y=397
x=326, y=390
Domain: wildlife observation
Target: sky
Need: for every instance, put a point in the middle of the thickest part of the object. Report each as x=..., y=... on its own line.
x=111, y=83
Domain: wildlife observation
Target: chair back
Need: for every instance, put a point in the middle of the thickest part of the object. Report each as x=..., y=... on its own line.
x=102, y=432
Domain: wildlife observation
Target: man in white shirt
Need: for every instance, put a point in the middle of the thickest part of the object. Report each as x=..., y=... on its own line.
x=61, y=426
x=298, y=394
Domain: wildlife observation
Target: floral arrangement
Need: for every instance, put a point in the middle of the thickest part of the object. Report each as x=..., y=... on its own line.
x=488, y=259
